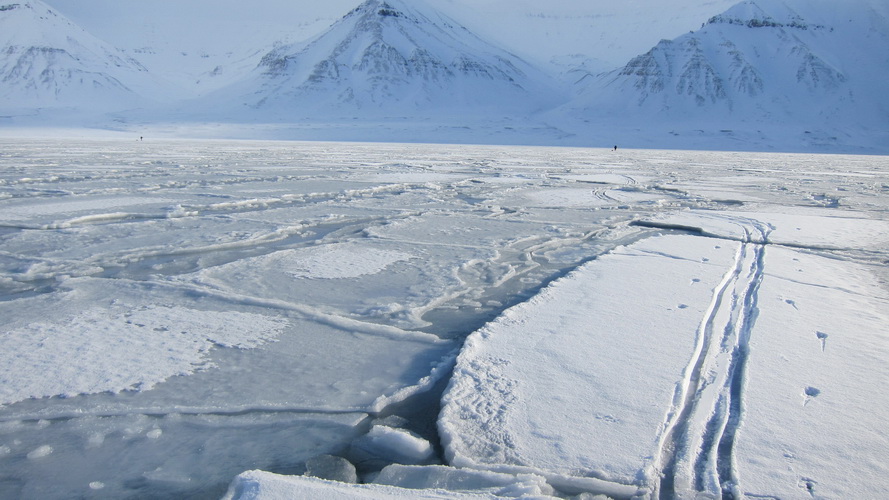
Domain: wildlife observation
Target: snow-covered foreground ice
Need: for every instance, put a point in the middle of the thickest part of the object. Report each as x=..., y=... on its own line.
x=634, y=323
x=704, y=368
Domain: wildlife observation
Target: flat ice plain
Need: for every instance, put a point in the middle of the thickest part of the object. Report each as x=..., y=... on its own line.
x=198, y=319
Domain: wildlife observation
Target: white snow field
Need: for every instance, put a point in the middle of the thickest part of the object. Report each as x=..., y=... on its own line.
x=206, y=319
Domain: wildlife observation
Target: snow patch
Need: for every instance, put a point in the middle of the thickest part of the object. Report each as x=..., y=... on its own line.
x=337, y=261
x=99, y=350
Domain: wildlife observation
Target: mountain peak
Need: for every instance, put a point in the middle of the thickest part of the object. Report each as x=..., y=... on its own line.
x=759, y=61
x=379, y=8
x=388, y=12
x=48, y=61
x=752, y=14
x=386, y=55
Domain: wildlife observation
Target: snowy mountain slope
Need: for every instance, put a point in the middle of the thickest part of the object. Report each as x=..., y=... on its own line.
x=201, y=45
x=46, y=61
x=814, y=63
x=765, y=73
x=169, y=36
x=390, y=58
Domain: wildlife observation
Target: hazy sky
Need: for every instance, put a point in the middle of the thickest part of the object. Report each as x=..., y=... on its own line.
x=606, y=30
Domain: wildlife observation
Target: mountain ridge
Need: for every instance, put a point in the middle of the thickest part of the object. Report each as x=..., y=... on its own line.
x=762, y=63
x=760, y=73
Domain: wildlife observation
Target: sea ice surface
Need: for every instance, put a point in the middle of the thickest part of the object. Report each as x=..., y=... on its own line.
x=178, y=314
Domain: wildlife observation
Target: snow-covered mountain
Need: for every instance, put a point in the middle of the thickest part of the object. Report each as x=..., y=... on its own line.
x=390, y=58
x=817, y=64
x=764, y=73
x=48, y=62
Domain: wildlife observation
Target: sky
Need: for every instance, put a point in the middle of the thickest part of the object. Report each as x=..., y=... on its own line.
x=604, y=33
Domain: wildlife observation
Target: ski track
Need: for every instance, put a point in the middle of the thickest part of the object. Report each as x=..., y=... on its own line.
x=697, y=442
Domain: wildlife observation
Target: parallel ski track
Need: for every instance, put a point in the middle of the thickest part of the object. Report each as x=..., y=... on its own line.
x=724, y=445
x=698, y=437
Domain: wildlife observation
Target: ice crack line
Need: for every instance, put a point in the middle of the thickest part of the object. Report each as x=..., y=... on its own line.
x=699, y=434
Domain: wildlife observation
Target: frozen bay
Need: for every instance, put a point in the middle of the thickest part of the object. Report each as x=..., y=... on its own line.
x=175, y=313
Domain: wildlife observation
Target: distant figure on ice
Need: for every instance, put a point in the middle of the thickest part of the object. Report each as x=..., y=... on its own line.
x=615, y=148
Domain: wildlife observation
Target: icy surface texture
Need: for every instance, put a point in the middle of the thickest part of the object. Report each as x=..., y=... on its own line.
x=175, y=313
